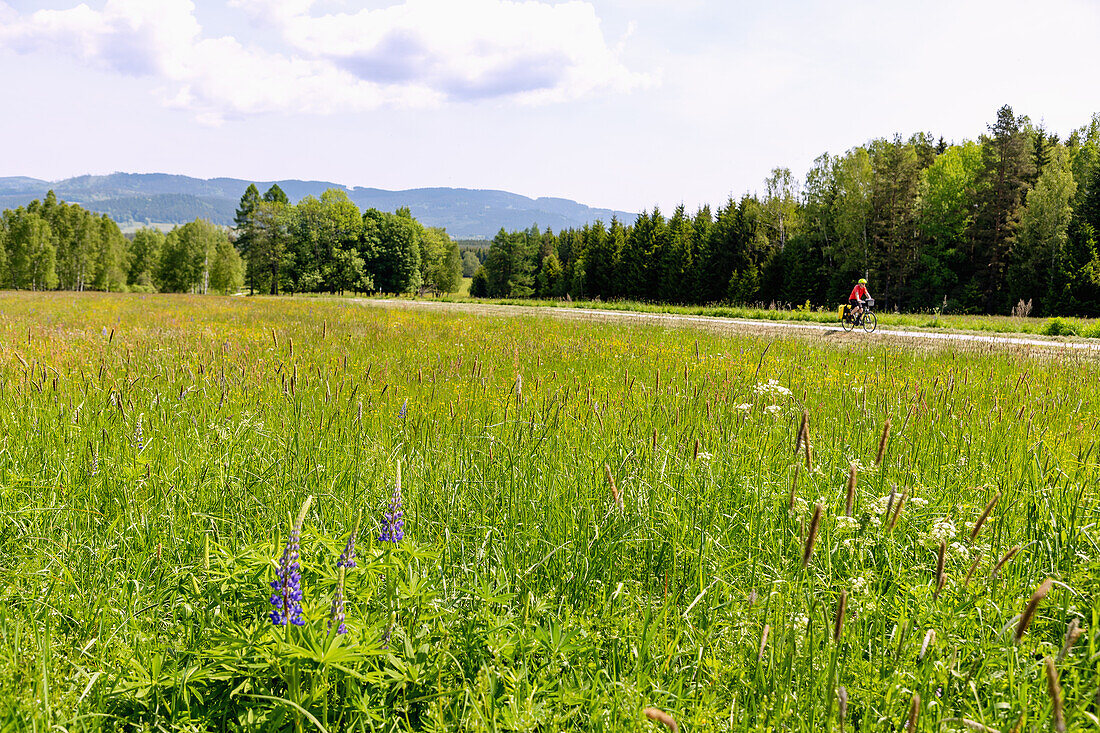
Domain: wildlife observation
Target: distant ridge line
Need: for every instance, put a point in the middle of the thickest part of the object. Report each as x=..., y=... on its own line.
x=163, y=198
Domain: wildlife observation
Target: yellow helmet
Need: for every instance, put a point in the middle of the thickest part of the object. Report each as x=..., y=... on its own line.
x=863, y=281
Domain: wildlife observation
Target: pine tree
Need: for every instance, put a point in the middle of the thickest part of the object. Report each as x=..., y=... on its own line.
x=245, y=225
x=1002, y=185
x=275, y=195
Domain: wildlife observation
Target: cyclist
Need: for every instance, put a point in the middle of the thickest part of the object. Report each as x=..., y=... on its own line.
x=858, y=297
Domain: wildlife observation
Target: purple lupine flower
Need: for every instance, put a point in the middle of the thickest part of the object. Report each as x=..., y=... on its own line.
x=393, y=523
x=287, y=585
x=404, y=409
x=138, y=442
x=347, y=557
x=336, y=614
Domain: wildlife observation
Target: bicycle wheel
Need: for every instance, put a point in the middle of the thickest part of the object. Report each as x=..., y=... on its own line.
x=869, y=322
x=848, y=323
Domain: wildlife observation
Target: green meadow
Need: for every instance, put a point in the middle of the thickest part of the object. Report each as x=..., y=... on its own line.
x=606, y=527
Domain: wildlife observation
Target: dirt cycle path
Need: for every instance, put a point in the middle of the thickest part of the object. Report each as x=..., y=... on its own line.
x=743, y=325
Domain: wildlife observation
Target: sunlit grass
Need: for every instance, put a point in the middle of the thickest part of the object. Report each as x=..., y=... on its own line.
x=524, y=596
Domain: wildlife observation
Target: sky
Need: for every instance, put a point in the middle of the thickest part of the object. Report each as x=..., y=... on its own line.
x=625, y=104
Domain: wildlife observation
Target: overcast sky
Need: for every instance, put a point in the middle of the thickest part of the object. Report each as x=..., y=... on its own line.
x=616, y=103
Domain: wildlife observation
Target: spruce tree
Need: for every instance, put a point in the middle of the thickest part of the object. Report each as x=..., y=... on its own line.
x=1002, y=185
x=245, y=224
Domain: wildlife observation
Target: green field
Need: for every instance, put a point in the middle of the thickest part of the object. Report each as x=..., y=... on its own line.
x=598, y=519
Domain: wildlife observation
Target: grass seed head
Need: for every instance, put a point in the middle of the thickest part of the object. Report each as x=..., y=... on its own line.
x=660, y=716
x=1032, y=606
x=811, y=535
x=973, y=567
x=1072, y=634
x=984, y=516
x=914, y=714
x=838, y=620
x=929, y=640
x=615, y=495
x=803, y=431
x=1054, y=687
x=897, y=510
x=1002, y=562
x=940, y=577
x=850, y=496
x=883, y=442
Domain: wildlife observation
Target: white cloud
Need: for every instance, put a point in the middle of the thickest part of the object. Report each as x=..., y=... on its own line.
x=421, y=53
x=533, y=51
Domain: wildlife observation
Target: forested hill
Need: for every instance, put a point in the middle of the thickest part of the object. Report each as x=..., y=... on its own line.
x=158, y=198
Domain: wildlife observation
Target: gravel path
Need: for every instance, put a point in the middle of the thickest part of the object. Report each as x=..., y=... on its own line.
x=742, y=325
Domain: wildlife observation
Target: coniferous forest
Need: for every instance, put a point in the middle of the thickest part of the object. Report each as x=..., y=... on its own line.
x=1009, y=221
x=973, y=227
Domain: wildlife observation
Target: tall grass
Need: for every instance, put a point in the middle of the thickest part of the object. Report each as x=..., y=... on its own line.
x=599, y=521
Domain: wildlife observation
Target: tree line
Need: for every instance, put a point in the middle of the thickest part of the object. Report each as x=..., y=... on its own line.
x=317, y=245
x=52, y=245
x=328, y=245
x=990, y=225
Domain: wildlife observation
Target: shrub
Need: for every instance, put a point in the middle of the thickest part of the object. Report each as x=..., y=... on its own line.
x=1060, y=327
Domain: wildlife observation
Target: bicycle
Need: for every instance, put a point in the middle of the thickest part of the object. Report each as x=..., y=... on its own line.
x=865, y=320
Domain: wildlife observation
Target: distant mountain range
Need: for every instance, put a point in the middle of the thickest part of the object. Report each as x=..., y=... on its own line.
x=136, y=199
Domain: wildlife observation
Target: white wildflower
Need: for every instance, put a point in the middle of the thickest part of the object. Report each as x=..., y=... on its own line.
x=882, y=504
x=847, y=524
x=860, y=585
x=959, y=550
x=942, y=529
x=772, y=409
x=744, y=406
x=772, y=386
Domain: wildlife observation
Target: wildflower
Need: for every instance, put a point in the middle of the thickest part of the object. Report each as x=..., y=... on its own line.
x=393, y=524
x=404, y=409
x=744, y=406
x=799, y=507
x=772, y=409
x=959, y=550
x=336, y=614
x=882, y=504
x=95, y=462
x=845, y=524
x=772, y=386
x=917, y=501
x=347, y=557
x=941, y=530
x=287, y=585
x=138, y=434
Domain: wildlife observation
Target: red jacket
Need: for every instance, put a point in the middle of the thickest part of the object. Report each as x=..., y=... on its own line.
x=859, y=292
